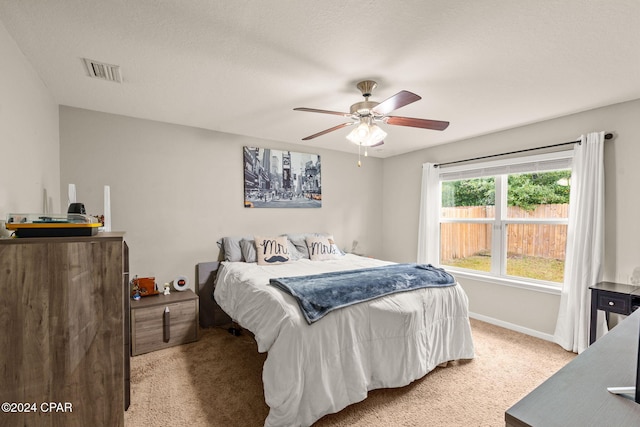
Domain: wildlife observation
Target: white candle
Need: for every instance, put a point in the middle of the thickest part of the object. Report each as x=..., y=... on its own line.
x=107, y=208
x=72, y=194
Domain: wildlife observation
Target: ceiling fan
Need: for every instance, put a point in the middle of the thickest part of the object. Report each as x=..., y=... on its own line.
x=367, y=113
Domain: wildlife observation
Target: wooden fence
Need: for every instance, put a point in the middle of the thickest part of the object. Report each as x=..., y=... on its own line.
x=460, y=240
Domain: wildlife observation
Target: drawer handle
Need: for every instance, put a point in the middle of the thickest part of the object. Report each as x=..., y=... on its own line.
x=166, y=323
x=611, y=303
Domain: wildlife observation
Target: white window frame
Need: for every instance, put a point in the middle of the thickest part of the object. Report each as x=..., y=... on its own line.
x=500, y=169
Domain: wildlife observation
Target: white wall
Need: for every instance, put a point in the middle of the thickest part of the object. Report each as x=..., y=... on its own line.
x=29, y=143
x=528, y=310
x=175, y=190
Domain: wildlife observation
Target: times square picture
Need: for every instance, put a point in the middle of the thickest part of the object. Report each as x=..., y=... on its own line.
x=281, y=179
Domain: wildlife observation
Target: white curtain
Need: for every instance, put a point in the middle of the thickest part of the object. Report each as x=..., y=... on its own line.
x=585, y=243
x=429, y=226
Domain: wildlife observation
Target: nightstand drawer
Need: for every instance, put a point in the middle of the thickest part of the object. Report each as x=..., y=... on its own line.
x=613, y=303
x=148, y=321
x=611, y=297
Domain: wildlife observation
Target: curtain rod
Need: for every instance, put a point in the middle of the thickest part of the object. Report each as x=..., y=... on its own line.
x=606, y=136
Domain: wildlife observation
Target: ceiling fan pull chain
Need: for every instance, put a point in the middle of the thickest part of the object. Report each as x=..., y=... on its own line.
x=359, y=162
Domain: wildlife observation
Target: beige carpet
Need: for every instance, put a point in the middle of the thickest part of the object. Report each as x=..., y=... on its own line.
x=217, y=382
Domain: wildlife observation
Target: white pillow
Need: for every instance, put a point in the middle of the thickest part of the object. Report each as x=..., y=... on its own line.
x=299, y=241
x=322, y=248
x=272, y=250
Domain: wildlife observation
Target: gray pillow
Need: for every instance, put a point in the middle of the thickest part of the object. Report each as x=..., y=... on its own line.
x=231, y=248
x=299, y=241
x=295, y=254
x=248, y=249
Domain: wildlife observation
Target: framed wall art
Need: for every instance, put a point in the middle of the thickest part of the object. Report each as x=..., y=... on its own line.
x=281, y=179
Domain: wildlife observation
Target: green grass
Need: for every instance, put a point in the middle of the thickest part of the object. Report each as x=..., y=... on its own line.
x=539, y=268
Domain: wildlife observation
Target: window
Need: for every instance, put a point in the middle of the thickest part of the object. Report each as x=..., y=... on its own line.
x=507, y=218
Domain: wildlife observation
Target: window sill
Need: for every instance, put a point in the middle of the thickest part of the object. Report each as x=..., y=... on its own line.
x=514, y=283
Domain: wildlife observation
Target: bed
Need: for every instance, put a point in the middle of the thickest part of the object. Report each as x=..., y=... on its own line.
x=315, y=369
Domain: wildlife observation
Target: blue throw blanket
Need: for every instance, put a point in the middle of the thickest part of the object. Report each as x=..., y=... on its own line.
x=320, y=294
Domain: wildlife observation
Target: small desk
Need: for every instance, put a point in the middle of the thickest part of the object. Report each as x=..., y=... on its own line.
x=577, y=394
x=611, y=298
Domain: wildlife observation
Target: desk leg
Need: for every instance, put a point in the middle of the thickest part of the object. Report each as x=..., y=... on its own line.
x=594, y=316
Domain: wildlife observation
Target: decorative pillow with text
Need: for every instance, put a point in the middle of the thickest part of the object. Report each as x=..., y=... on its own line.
x=322, y=248
x=272, y=250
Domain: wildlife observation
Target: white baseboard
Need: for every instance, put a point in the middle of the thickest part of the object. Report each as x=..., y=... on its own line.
x=512, y=326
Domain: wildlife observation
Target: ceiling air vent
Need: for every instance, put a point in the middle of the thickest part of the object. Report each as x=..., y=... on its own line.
x=103, y=71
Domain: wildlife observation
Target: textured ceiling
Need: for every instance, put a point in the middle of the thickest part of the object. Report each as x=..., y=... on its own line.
x=241, y=66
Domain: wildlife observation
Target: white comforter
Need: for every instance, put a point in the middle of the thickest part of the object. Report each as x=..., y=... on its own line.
x=313, y=370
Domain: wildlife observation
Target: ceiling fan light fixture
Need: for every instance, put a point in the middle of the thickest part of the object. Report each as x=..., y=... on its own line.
x=366, y=134
x=363, y=114
x=376, y=134
x=358, y=133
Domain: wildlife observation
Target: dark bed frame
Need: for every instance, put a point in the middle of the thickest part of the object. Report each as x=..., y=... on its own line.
x=210, y=312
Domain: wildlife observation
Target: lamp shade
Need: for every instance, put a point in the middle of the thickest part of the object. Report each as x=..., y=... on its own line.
x=366, y=134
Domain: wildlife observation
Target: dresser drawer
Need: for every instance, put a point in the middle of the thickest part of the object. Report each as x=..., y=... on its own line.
x=614, y=303
x=148, y=325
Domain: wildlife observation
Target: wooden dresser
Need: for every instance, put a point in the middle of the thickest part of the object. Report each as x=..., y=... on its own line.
x=63, y=308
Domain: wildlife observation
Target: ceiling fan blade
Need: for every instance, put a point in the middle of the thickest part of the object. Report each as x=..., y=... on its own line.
x=398, y=100
x=315, y=110
x=416, y=123
x=340, y=126
x=377, y=144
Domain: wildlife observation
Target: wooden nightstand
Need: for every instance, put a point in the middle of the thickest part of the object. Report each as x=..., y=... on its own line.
x=162, y=321
x=611, y=298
